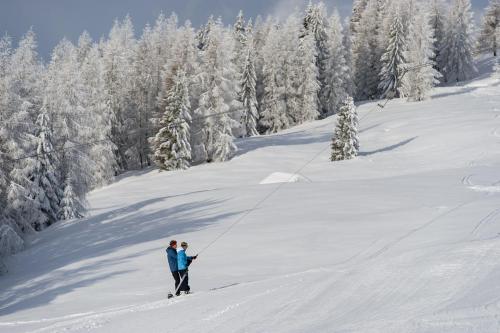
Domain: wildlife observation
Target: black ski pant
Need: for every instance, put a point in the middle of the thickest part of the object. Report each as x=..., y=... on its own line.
x=185, y=283
x=177, y=279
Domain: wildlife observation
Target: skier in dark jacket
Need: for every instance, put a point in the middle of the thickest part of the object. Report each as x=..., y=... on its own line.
x=172, y=263
x=183, y=261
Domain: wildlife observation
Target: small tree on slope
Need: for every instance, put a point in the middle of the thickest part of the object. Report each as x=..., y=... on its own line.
x=172, y=149
x=345, y=144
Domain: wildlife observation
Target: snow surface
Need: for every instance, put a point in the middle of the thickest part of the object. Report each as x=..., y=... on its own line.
x=282, y=177
x=401, y=239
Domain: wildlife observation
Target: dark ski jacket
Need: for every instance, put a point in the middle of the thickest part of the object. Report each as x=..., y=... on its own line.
x=172, y=259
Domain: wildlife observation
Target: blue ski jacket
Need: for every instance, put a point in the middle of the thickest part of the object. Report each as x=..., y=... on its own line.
x=172, y=259
x=182, y=260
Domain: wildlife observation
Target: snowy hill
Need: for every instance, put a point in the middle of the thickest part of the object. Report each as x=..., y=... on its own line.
x=405, y=238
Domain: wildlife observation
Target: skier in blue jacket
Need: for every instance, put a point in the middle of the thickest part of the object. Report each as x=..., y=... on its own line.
x=172, y=263
x=183, y=261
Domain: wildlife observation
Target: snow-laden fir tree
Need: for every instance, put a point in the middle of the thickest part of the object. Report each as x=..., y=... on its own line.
x=418, y=81
x=118, y=55
x=358, y=8
x=339, y=78
x=316, y=23
x=367, y=52
x=70, y=207
x=47, y=190
x=456, y=53
x=488, y=37
x=240, y=41
x=273, y=107
x=103, y=166
x=308, y=86
x=345, y=142
x=172, y=149
x=248, y=95
x=437, y=17
x=24, y=100
x=347, y=45
x=259, y=36
x=218, y=95
x=393, y=60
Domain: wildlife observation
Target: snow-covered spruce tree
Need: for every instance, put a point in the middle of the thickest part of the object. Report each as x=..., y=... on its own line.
x=367, y=52
x=339, y=78
x=308, y=87
x=172, y=149
x=248, y=95
x=24, y=99
x=240, y=41
x=358, y=8
x=145, y=94
x=67, y=103
x=437, y=19
x=260, y=32
x=118, y=54
x=47, y=190
x=273, y=107
x=393, y=60
x=418, y=82
x=347, y=45
x=5, y=55
x=488, y=37
x=456, y=53
x=103, y=166
x=213, y=141
x=70, y=206
x=345, y=143
x=316, y=23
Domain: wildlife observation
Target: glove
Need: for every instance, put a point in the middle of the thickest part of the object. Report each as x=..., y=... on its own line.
x=196, y=256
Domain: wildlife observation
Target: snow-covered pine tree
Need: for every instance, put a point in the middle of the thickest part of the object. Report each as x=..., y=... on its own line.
x=339, y=78
x=70, y=208
x=345, y=142
x=5, y=55
x=316, y=23
x=456, y=53
x=438, y=20
x=358, y=8
x=393, y=60
x=273, y=107
x=47, y=190
x=248, y=94
x=218, y=94
x=367, y=52
x=307, y=82
x=145, y=95
x=347, y=44
x=172, y=149
x=241, y=39
x=260, y=32
x=488, y=37
x=418, y=82
x=24, y=99
x=103, y=166
x=118, y=54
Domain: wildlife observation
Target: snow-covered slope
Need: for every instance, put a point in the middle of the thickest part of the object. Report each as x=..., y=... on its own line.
x=404, y=238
